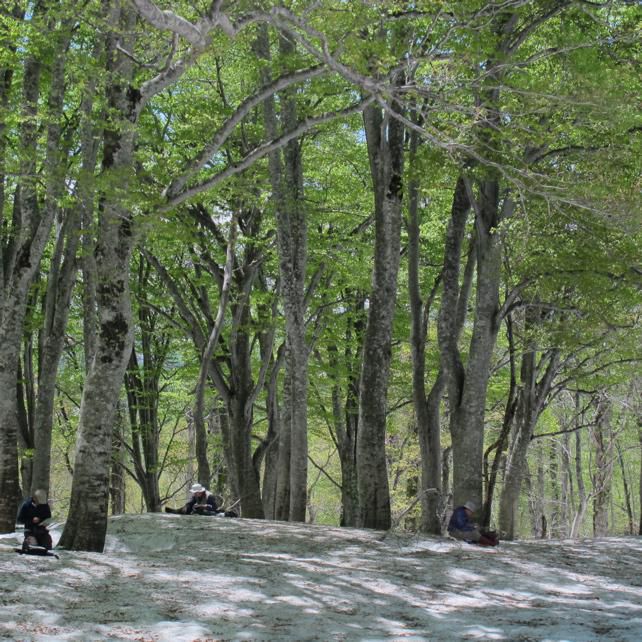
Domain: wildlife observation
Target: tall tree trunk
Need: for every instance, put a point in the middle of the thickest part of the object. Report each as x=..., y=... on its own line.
x=244, y=472
x=445, y=484
x=566, y=485
x=468, y=408
x=345, y=404
x=62, y=273
x=86, y=197
x=204, y=472
x=117, y=473
x=467, y=385
x=426, y=406
x=539, y=505
x=516, y=463
x=286, y=178
x=141, y=383
x=86, y=524
x=23, y=243
x=284, y=457
x=531, y=401
x=384, y=137
x=626, y=490
x=24, y=392
x=292, y=235
x=500, y=445
x=271, y=451
x=553, y=472
x=59, y=288
x=640, y=498
x=603, y=469
x=579, y=474
x=451, y=361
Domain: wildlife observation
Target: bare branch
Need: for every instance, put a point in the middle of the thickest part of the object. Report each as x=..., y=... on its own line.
x=226, y=129
x=530, y=28
x=170, y=21
x=263, y=150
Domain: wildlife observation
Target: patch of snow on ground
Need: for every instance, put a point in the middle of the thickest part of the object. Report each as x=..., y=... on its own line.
x=174, y=578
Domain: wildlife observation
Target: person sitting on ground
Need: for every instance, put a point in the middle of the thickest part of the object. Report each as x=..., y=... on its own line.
x=33, y=513
x=202, y=502
x=461, y=526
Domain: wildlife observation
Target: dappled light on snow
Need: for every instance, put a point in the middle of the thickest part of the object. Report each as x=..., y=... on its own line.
x=173, y=578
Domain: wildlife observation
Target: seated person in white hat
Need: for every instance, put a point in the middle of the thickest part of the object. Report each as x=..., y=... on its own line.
x=201, y=502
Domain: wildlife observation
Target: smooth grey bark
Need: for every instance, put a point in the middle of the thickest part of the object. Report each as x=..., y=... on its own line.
x=25, y=393
x=86, y=191
x=62, y=273
x=426, y=406
x=566, y=485
x=208, y=351
x=554, y=484
x=86, y=194
x=269, y=449
x=451, y=361
x=141, y=383
x=23, y=242
x=640, y=498
x=445, y=483
x=538, y=508
x=345, y=423
x=468, y=407
x=86, y=524
x=467, y=385
x=582, y=497
x=501, y=443
x=602, y=473
x=345, y=402
x=536, y=380
x=240, y=397
x=284, y=456
x=87, y=521
x=117, y=473
x=384, y=137
x=286, y=178
x=60, y=284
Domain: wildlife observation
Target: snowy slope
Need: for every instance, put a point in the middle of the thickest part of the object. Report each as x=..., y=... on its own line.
x=188, y=578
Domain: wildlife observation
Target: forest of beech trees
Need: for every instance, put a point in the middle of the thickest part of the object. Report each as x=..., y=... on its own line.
x=351, y=262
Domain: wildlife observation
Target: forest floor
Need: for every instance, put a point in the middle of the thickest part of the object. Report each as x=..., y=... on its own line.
x=174, y=578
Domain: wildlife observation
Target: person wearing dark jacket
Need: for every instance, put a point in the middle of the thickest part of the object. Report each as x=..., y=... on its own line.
x=461, y=526
x=201, y=502
x=33, y=513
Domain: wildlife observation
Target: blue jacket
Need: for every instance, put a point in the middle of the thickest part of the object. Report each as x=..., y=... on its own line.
x=460, y=521
x=30, y=509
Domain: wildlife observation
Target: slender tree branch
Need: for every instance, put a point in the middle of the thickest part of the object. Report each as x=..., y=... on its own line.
x=264, y=150
x=228, y=127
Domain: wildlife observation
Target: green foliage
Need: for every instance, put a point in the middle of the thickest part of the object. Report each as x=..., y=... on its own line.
x=565, y=147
